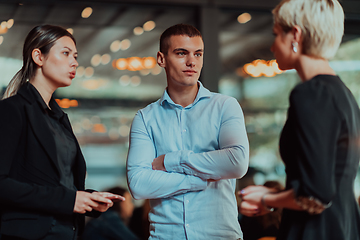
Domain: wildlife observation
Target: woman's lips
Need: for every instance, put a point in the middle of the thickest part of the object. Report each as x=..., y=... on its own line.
x=72, y=74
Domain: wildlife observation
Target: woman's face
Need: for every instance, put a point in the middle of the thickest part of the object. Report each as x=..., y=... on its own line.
x=59, y=65
x=282, y=48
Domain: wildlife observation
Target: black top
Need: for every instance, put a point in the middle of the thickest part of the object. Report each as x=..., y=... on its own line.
x=319, y=145
x=65, y=144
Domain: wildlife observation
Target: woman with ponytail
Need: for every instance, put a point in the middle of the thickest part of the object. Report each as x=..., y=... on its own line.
x=42, y=169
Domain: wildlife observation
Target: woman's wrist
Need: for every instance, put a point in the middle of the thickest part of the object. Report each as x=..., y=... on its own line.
x=270, y=209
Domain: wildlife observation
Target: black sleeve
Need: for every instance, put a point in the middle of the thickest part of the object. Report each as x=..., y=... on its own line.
x=316, y=127
x=50, y=199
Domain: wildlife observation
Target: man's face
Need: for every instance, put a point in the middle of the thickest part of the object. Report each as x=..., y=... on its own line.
x=183, y=61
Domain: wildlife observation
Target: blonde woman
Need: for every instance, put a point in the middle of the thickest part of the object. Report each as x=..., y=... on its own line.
x=319, y=143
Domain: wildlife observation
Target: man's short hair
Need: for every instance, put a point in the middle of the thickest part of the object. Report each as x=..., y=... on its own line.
x=321, y=22
x=176, y=30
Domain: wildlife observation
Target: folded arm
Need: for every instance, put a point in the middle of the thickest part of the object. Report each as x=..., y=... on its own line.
x=143, y=181
x=231, y=160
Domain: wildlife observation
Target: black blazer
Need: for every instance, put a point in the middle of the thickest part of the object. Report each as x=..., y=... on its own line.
x=320, y=148
x=30, y=191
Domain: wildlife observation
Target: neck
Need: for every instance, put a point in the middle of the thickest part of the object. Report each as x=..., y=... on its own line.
x=184, y=95
x=308, y=67
x=45, y=89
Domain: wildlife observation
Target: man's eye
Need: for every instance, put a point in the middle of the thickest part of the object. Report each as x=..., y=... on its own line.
x=198, y=54
x=181, y=53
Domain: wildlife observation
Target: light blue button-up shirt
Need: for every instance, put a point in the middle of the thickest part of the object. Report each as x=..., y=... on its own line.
x=204, y=141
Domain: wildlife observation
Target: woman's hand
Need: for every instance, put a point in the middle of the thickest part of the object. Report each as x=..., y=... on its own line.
x=251, y=204
x=99, y=201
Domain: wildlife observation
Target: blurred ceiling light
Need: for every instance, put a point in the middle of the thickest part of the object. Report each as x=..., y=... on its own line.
x=114, y=134
x=70, y=30
x=105, y=59
x=94, y=84
x=99, y=128
x=125, y=44
x=275, y=67
x=3, y=24
x=259, y=68
x=86, y=12
x=124, y=120
x=115, y=46
x=149, y=62
x=124, y=80
x=244, y=18
x=3, y=28
x=138, y=31
x=10, y=23
x=135, y=81
x=95, y=119
x=67, y=103
x=95, y=60
x=145, y=72
x=1, y=39
x=124, y=130
x=86, y=124
x=134, y=64
x=121, y=64
x=80, y=71
x=89, y=72
x=149, y=25
x=156, y=70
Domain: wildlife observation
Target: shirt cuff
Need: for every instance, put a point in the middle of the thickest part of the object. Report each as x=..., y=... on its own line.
x=196, y=183
x=172, y=162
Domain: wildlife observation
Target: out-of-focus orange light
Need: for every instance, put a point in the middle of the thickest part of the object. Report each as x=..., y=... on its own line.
x=260, y=67
x=121, y=64
x=67, y=103
x=99, y=128
x=149, y=62
x=135, y=64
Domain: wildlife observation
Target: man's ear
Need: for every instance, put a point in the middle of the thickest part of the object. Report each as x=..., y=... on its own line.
x=37, y=57
x=161, y=59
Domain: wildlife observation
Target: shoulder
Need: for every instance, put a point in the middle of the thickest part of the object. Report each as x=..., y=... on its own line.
x=12, y=110
x=224, y=101
x=11, y=103
x=316, y=97
x=317, y=89
x=154, y=106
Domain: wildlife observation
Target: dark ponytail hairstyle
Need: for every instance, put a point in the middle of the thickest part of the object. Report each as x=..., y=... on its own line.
x=41, y=37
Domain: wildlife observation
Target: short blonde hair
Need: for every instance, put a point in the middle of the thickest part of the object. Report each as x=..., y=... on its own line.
x=321, y=22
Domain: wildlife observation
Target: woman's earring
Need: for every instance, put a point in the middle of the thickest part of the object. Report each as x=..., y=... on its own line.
x=294, y=46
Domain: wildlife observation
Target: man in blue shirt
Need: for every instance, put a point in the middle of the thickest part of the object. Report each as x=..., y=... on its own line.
x=188, y=148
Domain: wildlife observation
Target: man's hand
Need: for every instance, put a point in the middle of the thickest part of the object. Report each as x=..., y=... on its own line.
x=158, y=163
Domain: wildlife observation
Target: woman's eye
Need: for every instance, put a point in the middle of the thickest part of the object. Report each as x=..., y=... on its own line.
x=66, y=53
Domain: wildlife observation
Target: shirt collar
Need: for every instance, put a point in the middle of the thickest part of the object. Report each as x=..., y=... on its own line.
x=202, y=93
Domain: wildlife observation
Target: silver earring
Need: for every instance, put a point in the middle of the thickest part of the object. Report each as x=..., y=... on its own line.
x=294, y=45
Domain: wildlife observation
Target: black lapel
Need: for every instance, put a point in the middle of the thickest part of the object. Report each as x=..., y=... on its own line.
x=39, y=125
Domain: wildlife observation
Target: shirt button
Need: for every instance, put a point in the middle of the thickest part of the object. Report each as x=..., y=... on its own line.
x=187, y=225
x=187, y=201
x=184, y=130
x=74, y=228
